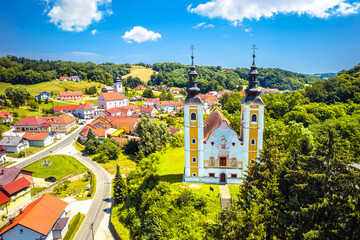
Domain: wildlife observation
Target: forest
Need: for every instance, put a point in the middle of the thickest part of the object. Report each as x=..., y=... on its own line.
x=304, y=185
x=216, y=78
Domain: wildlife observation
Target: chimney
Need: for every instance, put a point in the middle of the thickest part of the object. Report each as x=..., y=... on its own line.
x=20, y=211
x=11, y=220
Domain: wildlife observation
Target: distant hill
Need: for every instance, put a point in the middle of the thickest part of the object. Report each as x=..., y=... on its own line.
x=324, y=76
x=141, y=72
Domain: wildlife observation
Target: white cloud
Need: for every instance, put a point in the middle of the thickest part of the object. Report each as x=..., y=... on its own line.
x=93, y=32
x=84, y=53
x=199, y=25
x=236, y=11
x=204, y=25
x=247, y=30
x=140, y=34
x=76, y=15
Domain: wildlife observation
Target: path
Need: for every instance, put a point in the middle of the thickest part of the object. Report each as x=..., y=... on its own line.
x=225, y=197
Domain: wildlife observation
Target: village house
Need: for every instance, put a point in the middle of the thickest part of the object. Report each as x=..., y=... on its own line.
x=14, y=195
x=10, y=174
x=149, y=110
x=43, y=95
x=222, y=93
x=151, y=101
x=118, y=112
x=99, y=127
x=64, y=79
x=174, y=130
x=75, y=78
x=108, y=100
x=45, y=218
x=71, y=96
x=86, y=111
x=60, y=124
x=128, y=124
x=140, y=87
x=13, y=144
x=268, y=90
x=6, y=117
x=65, y=109
x=168, y=106
x=2, y=155
x=38, y=139
x=136, y=98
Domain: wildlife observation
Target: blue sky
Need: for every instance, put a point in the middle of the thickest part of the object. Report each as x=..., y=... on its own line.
x=307, y=36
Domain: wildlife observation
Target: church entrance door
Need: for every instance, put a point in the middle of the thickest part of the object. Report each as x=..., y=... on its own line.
x=222, y=178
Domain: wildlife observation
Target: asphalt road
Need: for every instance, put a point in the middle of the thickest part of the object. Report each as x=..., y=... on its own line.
x=101, y=201
x=68, y=139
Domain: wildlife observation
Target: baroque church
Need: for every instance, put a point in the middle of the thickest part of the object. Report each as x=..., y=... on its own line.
x=114, y=98
x=214, y=152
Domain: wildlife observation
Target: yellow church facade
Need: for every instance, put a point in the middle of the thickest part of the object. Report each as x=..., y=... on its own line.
x=214, y=152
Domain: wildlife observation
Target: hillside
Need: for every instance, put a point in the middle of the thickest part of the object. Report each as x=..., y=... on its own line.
x=140, y=72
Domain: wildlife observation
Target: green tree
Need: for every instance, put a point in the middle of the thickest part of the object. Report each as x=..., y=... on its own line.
x=148, y=93
x=120, y=188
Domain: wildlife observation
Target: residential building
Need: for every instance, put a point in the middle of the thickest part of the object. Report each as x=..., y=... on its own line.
x=65, y=109
x=10, y=174
x=151, y=101
x=148, y=110
x=75, y=78
x=59, y=124
x=13, y=144
x=128, y=124
x=174, y=130
x=126, y=112
x=45, y=218
x=2, y=155
x=86, y=110
x=38, y=139
x=71, y=96
x=214, y=152
x=222, y=93
x=136, y=98
x=140, y=87
x=168, y=106
x=14, y=196
x=6, y=117
x=64, y=79
x=99, y=127
x=108, y=100
x=268, y=90
x=43, y=95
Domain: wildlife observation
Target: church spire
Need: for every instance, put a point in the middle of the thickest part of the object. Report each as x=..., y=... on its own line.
x=193, y=90
x=252, y=91
x=117, y=78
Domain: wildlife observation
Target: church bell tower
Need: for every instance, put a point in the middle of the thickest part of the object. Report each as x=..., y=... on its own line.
x=252, y=116
x=118, y=84
x=193, y=128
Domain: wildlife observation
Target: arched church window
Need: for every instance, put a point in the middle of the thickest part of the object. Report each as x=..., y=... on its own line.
x=193, y=141
x=253, y=141
x=193, y=116
x=212, y=161
x=254, y=118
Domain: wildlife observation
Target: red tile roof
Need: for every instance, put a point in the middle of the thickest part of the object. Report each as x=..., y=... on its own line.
x=31, y=121
x=169, y=103
x=40, y=216
x=224, y=92
x=3, y=198
x=128, y=121
x=152, y=100
x=45, y=121
x=174, y=130
x=70, y=93
x=16, y=185
x=66, y=108
x=213, y=121
x=147, y=109
x=8, y=175
x=74, y=76
x=87, y=106
x=62, y=119
x=4, y=114
x=140, y=87
x=63, y=78
x=121, y=141
x=111, y=96
x=210, y=97
x=2, y=150
x=35, y=136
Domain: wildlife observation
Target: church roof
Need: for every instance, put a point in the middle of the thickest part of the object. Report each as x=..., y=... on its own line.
x=213, y=121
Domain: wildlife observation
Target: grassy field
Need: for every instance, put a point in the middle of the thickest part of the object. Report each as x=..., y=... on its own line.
x=172, y=164
x=54, y=86
x=76, y=188
x=140, y=72
x=62, y=166
x=125, y=162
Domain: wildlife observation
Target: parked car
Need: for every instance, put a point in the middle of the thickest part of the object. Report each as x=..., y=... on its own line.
x=50, y=179
x=82, y=123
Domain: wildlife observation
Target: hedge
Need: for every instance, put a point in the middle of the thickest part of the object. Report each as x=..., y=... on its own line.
x=74, y=226
x=93, y=185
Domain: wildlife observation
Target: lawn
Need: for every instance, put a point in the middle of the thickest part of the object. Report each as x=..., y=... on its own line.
x=140, y=72
x=172, y=163
x=124, y=161
x=62, y=166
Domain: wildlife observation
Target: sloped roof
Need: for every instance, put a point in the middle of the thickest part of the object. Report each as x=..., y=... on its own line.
x=8, y=175
x=16, y=185
x=210, y=97
x=111, y=96
x=128, y=121
x=60, y=224
x=2, y=150
x=40, y=215
x=70, y=93
x=169, y=103
x=5, y=114
x=140, y=87
x=35, y=136
x=10, y=141
x=174, y=130
x=66, y=108
x=213, y=121
x=87, y=106
x=152, y=100
x=147, y=109
x=63, y=78
x=121, y=141
x=3, y=198
x=62, y=119
x=31, y=121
